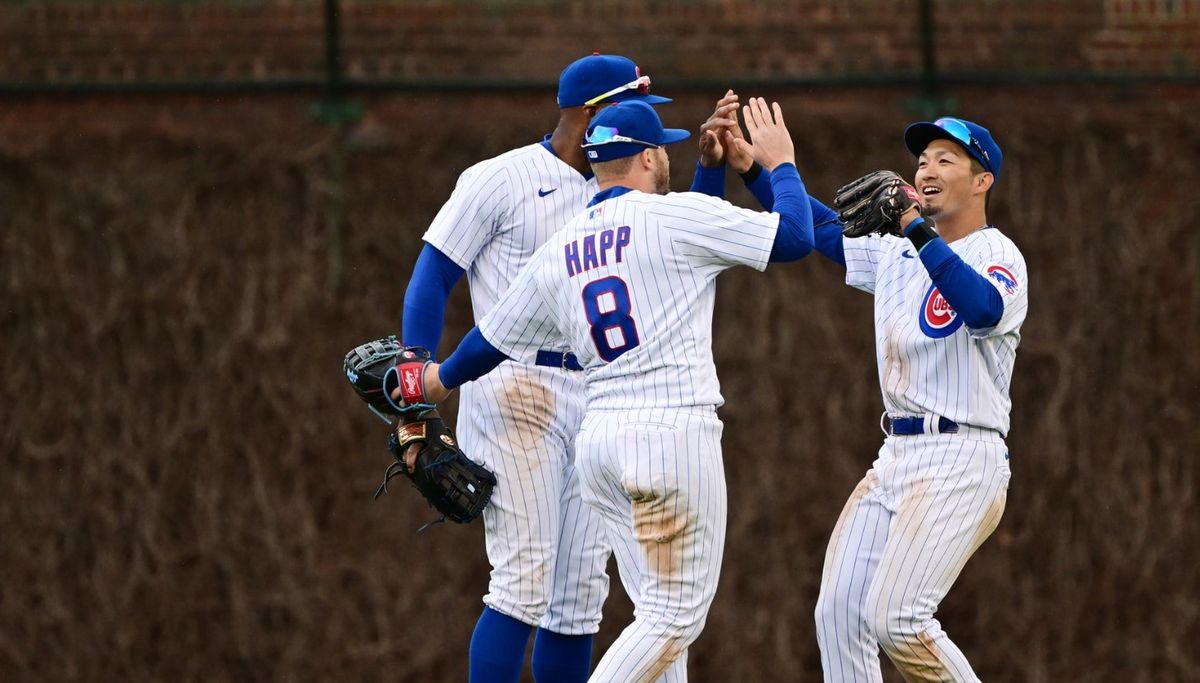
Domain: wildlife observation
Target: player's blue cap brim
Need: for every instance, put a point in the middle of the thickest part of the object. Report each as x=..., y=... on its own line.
x=635, y=97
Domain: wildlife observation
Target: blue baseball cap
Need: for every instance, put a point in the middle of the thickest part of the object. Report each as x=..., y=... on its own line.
x=603, y=78
x=626, y=129
x=973, y=137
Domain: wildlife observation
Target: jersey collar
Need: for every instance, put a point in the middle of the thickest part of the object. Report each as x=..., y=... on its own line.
x=609, y=193
x=550, y=149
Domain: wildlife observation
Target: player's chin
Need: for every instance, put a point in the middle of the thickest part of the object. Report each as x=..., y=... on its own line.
x=930, y=210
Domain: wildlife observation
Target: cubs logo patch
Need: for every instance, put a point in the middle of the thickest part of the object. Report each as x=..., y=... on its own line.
x=1004, y=276
x=937, y=318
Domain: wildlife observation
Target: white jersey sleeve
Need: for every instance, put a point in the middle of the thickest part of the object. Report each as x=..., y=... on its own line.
x=1004, y=268
x=469, y=218
x=520, y=323
x=863, y=256
x=716, y=233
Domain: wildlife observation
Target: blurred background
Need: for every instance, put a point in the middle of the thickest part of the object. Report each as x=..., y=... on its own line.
x=206, y=203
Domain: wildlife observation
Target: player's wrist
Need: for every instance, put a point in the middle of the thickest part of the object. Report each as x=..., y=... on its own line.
x=776, y=163
x=435, y=391
x=920, y=232
x=751, y=174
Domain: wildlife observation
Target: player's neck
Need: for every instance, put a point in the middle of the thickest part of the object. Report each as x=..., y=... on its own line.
x=951, y=229
x=634, y=181
x=567, y=141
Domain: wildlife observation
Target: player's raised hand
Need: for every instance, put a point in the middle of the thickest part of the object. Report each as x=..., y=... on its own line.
x=736, y=157
x=712, y=151
x=772, y=144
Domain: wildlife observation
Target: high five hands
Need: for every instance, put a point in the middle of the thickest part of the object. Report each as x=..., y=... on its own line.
x=722, y=141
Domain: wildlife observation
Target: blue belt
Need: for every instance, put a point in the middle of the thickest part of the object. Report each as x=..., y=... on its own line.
x=555, y=359
x=907, y=426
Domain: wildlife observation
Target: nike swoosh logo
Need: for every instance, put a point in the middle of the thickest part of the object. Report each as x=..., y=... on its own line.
x=543, y=193
x=906, y=254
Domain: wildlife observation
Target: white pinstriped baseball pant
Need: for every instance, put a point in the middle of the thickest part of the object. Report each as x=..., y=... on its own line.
x=657, y=480
x=925, y=506
x=548, y=551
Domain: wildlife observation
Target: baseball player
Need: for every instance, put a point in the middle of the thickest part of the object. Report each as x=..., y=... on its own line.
x=630, y=285
x=547, y=550
x=949, y=303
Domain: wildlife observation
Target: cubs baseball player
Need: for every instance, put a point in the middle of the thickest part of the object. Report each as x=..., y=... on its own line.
x=547, y=550
x=948, y=311
x=630, y=285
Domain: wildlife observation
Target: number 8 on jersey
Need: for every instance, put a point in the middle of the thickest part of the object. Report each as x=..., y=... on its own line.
x=607, y=306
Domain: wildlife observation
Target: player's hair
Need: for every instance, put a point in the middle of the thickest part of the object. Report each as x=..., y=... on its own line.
x=614, y=168
x=976, y=169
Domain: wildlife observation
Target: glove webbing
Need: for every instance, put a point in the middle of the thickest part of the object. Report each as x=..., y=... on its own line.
x=396, y=469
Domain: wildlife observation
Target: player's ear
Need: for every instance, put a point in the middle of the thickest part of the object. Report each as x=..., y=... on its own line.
x=646, y=157
x=983, y=182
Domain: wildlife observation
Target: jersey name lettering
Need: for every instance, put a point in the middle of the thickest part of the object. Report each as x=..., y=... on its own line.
x=590, y=255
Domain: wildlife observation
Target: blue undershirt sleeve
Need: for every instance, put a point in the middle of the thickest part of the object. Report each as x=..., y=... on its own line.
x=759, y=185
x=433, y=277
x=827, y=232
x=968, y=292
x=473, y=359
x=827, y=229
x=794, y=239
x=709, y=181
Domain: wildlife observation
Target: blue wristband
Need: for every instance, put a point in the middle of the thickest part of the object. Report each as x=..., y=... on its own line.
x=920, y=232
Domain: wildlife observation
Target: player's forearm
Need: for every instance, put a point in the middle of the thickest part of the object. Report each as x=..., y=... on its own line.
x=709, y=181
x=473, y=359
x=758, y=181
x=433, y=278
x=968, y=293
x=827, y=232
x=794, y=239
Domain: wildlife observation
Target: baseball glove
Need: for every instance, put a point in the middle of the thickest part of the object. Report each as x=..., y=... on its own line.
x=874, y=204
x=456, y=486
x=367, y=365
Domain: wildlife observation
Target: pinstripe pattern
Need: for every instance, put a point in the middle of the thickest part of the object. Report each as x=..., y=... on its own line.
x=495, y=218
x=965, y=376
x=902, y=539
x=649, y=452
x=679, y=244
x=657, y=479
x=929, y=501
x=548, y=551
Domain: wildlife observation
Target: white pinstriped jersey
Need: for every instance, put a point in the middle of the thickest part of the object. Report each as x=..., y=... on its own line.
x=929, y=361
x=630, y=286
x=501, y=210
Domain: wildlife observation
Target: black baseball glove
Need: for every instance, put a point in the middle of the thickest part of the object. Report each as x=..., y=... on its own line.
x=456, y=486
x=874, y=204
x=366, y=366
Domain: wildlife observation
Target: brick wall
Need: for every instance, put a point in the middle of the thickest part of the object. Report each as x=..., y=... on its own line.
x=526, y=40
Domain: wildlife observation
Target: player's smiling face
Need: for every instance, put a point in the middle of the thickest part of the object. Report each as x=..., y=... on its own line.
x=944, y=178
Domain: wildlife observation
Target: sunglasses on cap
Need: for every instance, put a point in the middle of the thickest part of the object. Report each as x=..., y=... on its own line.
x=641, y=84
x=602, y=135
x=959, y=131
